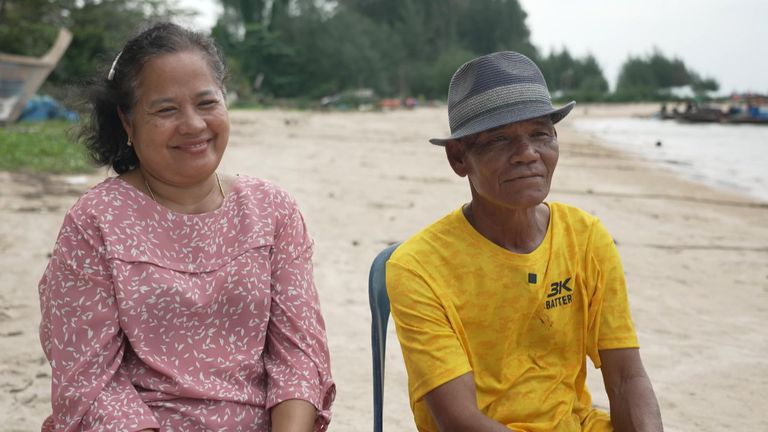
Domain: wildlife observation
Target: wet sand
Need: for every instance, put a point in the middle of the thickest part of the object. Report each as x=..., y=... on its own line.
x=696, y=258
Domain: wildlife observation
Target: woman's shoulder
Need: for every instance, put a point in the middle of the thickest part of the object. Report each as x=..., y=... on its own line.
x=241, y=183
x=105, y=197
x=261, y=192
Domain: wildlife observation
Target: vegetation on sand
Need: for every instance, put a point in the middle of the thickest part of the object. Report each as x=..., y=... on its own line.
x=42, y=147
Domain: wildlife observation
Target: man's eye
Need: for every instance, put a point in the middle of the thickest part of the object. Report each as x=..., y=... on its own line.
x=208, y=103
x=166, y=110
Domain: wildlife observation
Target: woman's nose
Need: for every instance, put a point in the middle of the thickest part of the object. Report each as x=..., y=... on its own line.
x=191, y=122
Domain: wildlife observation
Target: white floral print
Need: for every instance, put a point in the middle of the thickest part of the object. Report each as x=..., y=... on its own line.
x=156, y=319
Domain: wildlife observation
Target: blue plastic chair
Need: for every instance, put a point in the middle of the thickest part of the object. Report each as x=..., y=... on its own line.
x=377, y=297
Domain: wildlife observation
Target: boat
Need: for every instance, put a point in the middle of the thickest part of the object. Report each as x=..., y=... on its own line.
x=751, y=109
x=693, y=112
x=702, y=114
x=743, y=109
x=21, y=76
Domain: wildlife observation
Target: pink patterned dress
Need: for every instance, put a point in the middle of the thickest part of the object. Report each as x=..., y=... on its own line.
x=157, y=319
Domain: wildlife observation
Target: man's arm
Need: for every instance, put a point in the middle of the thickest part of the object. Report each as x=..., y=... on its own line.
x=633, y=404
x=454, y=407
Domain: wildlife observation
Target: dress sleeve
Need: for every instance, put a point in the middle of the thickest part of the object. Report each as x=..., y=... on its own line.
x=82, y=339
x=610, y=322
x=296, y=356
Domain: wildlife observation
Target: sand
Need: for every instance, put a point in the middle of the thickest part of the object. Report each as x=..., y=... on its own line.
x=696, y=258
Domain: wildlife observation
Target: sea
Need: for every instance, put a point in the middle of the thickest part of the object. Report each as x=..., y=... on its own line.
x=730, y=157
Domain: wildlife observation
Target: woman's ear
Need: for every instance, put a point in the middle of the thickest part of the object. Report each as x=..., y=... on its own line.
x=126, y=123
x=457, y=157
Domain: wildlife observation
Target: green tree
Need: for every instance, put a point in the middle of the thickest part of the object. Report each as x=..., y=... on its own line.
x=248, y=11
x=653, y=77
x=430, y=79
x=28, y=27
x=572, y=78
x=347, y=51
x=487, y=26
x=701, y=85
x=396, y=47
x=99, y=29
x=255, y=51
x=439, y=35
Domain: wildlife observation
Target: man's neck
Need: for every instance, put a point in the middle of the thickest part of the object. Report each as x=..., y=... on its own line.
x=516, y=230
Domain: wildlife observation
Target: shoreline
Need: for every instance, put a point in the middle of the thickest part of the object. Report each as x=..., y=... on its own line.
x=696, y=258
x=727, y=158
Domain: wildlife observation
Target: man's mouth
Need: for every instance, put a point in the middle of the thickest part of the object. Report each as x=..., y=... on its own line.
x=522, y=177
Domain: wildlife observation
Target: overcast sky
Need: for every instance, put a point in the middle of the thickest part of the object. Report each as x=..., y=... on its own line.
x=723, y=39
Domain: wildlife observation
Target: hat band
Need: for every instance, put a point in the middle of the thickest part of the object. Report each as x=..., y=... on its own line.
x=494, y=99
x=515, y=112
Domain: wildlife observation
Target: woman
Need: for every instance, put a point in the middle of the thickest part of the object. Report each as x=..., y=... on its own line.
x=178, y=298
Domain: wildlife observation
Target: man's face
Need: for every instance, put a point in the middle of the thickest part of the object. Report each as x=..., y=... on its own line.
x=510, y=166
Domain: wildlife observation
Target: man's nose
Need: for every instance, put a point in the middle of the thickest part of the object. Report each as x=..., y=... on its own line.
x=523, y=152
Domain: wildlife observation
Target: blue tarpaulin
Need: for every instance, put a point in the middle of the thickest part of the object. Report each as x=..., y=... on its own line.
x=41, y=108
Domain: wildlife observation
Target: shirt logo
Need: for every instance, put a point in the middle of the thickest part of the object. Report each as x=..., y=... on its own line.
x=559, y=294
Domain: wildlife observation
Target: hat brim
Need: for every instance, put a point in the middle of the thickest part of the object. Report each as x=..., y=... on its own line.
x=505, y=117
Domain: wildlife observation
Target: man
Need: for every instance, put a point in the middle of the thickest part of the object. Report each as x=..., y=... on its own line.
x=498, y=304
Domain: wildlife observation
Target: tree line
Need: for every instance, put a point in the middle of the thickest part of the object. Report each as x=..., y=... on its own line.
x=307, y=49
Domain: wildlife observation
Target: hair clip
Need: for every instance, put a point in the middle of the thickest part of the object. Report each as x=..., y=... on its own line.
x=111, y=73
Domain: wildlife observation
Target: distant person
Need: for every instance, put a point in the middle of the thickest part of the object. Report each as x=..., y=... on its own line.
x=178, y=299
x=499, y=304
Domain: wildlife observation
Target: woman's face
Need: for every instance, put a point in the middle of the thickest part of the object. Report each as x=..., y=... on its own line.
x=179, y=124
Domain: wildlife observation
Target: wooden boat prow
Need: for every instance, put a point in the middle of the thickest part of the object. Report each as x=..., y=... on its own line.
x=22, y=76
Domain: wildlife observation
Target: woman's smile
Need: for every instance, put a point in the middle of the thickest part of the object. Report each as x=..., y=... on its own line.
x=194, y=147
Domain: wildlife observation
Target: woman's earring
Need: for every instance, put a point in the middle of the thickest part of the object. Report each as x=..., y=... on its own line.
x=129, y=142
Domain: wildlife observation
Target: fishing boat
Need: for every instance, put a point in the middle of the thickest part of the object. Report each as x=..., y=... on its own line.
x=702, y=114
x=752, y=109
x=742, y=109
x=22, y=76
x=693, y=113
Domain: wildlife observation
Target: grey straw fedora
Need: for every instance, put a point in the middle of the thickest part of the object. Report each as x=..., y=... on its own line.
x=497, y=89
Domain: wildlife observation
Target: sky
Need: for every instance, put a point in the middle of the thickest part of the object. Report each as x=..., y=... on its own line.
x=722, y=39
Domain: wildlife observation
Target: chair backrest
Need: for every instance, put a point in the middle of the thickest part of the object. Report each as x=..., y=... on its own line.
x=377, y=297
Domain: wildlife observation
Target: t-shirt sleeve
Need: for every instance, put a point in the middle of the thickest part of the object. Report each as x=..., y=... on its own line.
x=610, y=322
x=432, y=351
x=296, y=357
x=82, y=339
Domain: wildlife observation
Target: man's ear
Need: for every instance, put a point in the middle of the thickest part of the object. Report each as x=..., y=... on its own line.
x=126, y=123
x=457, y=157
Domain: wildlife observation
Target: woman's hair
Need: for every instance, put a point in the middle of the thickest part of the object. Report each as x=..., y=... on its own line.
x=103, y=135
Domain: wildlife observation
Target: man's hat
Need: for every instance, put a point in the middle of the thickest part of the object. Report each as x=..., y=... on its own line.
x=495, y=90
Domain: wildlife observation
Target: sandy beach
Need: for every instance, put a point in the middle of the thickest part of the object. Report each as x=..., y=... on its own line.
x=696, y=258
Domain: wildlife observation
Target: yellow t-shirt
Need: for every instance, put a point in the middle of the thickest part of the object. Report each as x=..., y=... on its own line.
x=524, y=324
